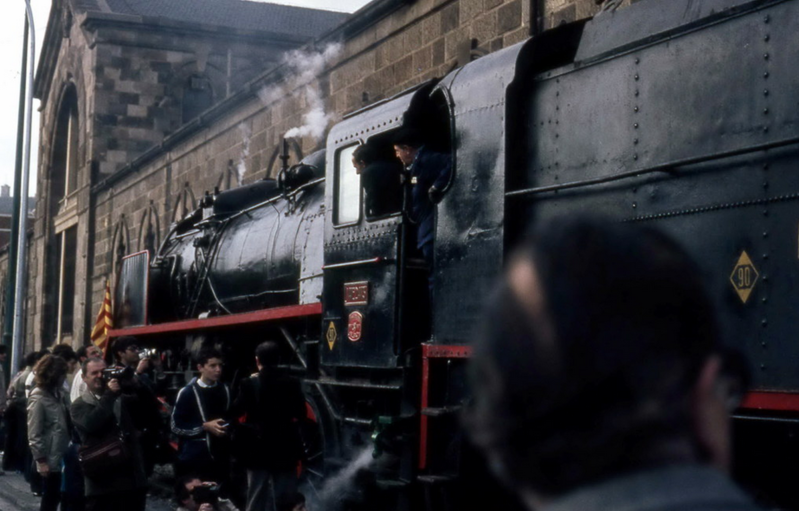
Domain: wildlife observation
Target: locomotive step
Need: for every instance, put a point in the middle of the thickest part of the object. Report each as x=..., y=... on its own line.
x=438, y=412
x=435, y=479
x=355, y=384
x=391, y=484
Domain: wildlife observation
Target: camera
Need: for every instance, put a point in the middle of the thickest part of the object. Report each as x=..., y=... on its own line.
x=121, y=374
x=206, y=494
x=150, y=353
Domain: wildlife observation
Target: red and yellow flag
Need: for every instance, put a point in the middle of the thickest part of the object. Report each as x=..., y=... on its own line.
x=104, y=321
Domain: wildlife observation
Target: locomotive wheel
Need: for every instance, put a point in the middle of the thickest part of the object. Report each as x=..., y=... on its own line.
x=315, y=444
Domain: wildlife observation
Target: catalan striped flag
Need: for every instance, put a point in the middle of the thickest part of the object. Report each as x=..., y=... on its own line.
x=104, y=321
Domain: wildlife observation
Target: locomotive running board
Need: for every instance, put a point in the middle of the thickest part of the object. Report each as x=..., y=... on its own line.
x=261, y=316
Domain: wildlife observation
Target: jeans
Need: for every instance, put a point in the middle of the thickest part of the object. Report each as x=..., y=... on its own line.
x=51, y=488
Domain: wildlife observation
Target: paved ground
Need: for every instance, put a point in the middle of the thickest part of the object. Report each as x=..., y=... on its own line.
x=15, y=495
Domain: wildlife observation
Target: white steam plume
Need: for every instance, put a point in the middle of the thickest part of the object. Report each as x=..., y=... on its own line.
x=304, y=69
x=241, y=167
x=341, y=482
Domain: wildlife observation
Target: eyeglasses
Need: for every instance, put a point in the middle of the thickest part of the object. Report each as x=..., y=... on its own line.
x=133, y=348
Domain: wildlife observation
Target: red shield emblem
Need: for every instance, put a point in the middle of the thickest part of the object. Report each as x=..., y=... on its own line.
x=355, y=326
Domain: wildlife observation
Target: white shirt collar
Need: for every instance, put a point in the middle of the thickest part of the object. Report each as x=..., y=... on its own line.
x=204, y=385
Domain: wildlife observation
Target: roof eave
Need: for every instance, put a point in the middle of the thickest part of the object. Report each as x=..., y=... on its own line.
x=365, y=17
x=95, y=20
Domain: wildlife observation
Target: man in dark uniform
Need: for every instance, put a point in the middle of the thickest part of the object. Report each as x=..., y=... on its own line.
x=430, y=172
x=599, y=377
x=380, y=177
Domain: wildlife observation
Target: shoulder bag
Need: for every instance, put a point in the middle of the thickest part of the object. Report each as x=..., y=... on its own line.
x=104, y=457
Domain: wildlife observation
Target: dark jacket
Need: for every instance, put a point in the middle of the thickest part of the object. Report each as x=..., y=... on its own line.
x=188, y=416
x=273, y=406
x=382, y=188
x=674, y=488
x=16, y=390
x=428, y=169
x=98, y=419
x=144, y=409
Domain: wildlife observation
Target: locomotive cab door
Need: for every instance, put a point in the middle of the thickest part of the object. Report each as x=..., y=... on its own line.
x=376, y=297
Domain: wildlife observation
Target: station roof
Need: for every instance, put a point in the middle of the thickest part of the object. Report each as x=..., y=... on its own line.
x=235, y=14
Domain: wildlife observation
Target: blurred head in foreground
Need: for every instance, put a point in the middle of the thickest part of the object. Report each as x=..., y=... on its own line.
x=599, y=356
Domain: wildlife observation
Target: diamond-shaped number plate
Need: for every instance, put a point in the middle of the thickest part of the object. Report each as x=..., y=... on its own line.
x=331, y=335
x=744, y=277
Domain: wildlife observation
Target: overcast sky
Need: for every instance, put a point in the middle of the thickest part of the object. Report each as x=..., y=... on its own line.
x=12, y=15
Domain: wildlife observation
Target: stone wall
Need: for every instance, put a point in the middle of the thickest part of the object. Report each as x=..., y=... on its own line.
x=143, y=77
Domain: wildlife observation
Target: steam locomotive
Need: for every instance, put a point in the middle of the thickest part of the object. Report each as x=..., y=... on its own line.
x=680, y=114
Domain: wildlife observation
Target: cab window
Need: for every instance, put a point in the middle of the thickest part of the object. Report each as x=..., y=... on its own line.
x=348, y=188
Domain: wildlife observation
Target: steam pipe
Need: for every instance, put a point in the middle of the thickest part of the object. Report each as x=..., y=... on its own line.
x=284, y=166
x=16, y=352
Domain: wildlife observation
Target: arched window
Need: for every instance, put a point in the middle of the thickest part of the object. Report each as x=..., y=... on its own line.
x=64, y=173
x=186, y=203
x=120, y=244
x=62, y=246
x=149, y=230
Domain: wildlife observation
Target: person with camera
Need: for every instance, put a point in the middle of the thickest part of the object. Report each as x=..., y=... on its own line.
x=139, y=396
x=78, y=385
x=49, y=427
x=200, y=421
x=193, y=494
x=111, y=455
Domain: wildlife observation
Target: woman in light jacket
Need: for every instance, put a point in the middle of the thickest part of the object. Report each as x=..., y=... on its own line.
x=48, y=426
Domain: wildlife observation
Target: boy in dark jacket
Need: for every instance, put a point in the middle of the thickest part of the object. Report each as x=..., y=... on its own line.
x=199, y=419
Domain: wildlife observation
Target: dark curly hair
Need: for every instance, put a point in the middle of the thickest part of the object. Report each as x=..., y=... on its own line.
x=50, y=371
x=585, y=372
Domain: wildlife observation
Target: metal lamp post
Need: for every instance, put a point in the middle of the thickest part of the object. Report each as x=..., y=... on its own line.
x=19, y=292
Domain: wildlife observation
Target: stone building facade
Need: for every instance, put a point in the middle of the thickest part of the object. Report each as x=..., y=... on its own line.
x=115, y=78
x=152, y=112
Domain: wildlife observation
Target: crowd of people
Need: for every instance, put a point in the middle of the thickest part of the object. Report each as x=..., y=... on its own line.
x=91, y=442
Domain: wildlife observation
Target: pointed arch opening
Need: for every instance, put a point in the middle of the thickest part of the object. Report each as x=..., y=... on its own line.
x=64, y=160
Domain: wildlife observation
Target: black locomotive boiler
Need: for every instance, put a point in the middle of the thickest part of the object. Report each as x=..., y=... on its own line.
x=677, y=113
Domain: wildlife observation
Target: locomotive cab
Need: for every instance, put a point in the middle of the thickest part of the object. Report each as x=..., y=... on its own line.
x=376, y=302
